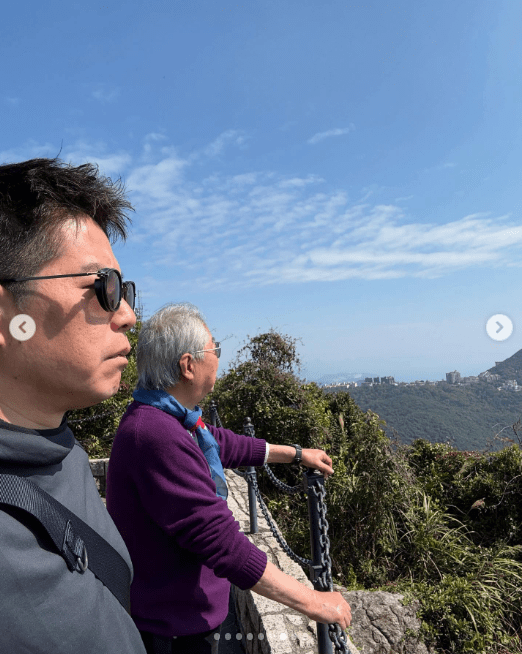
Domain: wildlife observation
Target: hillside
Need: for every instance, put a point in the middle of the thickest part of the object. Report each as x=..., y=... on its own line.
x=465, y=416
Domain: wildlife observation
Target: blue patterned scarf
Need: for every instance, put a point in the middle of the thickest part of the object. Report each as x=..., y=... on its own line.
x=192, y=421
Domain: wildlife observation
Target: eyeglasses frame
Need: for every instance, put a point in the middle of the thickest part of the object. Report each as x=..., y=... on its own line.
x=212, y=349
x=103, y=274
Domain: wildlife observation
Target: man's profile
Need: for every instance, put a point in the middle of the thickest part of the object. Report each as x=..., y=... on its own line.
x=57, y=268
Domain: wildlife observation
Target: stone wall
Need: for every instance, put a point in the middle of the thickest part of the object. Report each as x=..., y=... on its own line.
x=99, y=472
x=379, y=621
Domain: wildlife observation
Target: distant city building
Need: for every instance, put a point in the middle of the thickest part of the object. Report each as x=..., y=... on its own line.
x=453, y=377
x=487, y=376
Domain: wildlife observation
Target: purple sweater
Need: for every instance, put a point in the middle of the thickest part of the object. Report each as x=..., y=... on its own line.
x=184, y=542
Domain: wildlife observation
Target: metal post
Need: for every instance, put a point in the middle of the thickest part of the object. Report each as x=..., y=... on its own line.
x=213, y=414
x=312, y=477
x=248, y=429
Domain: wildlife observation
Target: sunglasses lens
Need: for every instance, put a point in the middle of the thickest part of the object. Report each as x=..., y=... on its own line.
x=113, y=290
x=129, y=294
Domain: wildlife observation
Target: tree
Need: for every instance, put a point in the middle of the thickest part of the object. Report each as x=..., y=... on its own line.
x=261, y=384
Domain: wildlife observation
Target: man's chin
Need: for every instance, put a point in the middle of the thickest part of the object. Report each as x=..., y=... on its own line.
x=96, y=397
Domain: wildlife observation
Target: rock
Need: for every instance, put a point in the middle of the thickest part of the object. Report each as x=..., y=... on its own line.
x=380, y=621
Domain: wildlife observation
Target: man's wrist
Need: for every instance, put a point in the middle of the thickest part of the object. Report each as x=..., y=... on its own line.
x=281, y=453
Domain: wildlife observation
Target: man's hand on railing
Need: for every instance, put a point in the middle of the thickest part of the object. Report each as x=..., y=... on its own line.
x=330, y=607
x=319, y=460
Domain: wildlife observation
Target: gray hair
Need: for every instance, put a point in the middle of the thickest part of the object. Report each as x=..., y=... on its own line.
x=171, y=332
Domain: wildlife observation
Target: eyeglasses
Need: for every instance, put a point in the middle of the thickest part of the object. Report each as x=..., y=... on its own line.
x=216, y=349
x=109, y=287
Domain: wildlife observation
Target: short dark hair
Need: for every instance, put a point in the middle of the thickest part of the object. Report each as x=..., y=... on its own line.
x=36, y=198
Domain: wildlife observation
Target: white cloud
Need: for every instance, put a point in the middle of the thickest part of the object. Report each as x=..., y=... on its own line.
x=253, y=228
x=155, y=183
x=271, y=229
x=105, y=94
x=230, y=137
x=110, y=163
x=338, y=131
x=14, y=102
x=31, y=150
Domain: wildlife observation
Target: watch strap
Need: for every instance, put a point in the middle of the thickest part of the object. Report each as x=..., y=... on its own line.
x=298, y=454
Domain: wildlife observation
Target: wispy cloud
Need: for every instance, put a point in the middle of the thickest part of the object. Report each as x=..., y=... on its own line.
x=442, y=166
x=30, y=150
x=12, y=101
x=338, y=131
x=105, y=94
x=256, y=228
x=230, y=137
x=110, y=163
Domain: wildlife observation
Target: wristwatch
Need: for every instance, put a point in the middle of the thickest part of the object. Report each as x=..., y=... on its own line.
x=298, y=454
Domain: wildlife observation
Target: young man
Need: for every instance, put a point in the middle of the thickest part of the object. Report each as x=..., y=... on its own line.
x=62, y=347
x=166, y=491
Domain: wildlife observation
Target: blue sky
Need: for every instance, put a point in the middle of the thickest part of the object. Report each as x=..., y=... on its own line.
x=346, y=173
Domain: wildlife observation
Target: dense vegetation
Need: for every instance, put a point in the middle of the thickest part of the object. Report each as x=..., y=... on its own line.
x=467, y=417
x=427, y=520
x=436, y=524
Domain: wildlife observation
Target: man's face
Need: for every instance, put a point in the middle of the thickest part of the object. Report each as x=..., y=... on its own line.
x=206, y=369
x=66, y=364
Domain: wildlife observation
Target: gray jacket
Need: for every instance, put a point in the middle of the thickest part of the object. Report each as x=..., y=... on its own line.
x=45, y=608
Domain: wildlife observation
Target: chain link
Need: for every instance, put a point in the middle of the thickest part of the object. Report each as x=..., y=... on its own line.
x=290, y=490
x=337, y=635
x=304, y=563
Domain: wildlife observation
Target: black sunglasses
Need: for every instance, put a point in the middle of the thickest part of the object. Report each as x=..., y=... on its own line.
x=109, y=287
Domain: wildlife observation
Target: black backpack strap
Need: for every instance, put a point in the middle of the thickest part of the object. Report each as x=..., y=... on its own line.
x=79, y=544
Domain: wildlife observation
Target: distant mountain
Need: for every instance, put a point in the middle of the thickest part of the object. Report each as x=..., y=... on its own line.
x=510, y=368
x=467, y=416
x=342, y=377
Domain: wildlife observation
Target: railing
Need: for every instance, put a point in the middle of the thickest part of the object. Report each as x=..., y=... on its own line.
x=319, y=569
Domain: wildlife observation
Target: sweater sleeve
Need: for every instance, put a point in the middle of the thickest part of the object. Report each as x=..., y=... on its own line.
x=238, y=450
x=173, y=481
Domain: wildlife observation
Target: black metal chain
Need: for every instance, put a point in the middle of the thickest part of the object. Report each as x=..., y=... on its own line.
x=304, y=563
x=324, y=577
x=337, y=635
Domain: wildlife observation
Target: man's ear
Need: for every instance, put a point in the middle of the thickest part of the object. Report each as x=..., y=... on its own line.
x=186, y=364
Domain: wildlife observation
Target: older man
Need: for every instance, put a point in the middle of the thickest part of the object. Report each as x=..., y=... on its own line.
x=64, y=312
x=166, y=491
